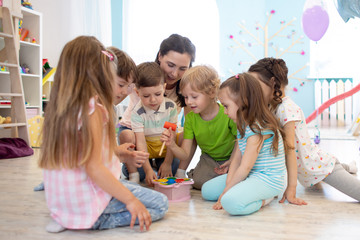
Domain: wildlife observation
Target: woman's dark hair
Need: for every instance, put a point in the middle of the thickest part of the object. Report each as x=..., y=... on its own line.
x=268, y=68
x=180, y=44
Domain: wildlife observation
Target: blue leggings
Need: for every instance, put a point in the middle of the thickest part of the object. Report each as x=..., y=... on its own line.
x=242, y=199
x=116, y=214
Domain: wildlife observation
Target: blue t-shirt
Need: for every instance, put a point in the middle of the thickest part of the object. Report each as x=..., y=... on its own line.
x=268, y=167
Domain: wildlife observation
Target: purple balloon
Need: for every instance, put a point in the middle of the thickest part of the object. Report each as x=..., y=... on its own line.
x=315, y=21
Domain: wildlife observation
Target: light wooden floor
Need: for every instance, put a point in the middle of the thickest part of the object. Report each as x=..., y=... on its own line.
x=329, y=215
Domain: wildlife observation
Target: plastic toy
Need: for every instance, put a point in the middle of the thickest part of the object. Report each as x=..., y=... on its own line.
x=5, y=120
x=175, y=189
x=167, y=125
x=24, y=34
x=26, y=4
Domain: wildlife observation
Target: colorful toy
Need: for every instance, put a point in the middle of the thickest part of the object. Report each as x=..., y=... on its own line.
x=26, y=4
x=167, y=125
x=24, y=34
x=175, y=189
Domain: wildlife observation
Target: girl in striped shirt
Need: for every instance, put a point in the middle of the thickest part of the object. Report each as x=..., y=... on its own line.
x=257, y=169
x=81, y=171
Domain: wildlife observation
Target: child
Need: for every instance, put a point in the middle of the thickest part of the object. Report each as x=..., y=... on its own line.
x=126, y=75
x=81, y=172
x=257, y=176
x=213, y=131
x=147, y=121
x=304, y=160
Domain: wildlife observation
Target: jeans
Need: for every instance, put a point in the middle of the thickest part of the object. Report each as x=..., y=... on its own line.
x=116, y=214
x=158, y=162
x=243, y=198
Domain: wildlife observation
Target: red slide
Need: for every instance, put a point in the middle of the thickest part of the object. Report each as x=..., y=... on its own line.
x=331, y=101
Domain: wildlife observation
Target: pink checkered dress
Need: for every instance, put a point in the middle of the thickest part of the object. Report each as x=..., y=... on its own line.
x=73, y=199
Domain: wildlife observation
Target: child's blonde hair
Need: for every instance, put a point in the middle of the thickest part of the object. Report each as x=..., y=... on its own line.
x=85, y=70
x=202, y=78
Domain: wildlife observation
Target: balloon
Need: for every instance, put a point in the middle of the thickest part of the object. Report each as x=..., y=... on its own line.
x=315, y=21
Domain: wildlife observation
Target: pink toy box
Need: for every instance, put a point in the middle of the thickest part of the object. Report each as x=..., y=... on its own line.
x=176, y=189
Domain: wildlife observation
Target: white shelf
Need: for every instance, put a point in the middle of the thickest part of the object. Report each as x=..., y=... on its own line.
x=31, y=55
x=5, y=105
x=29, y=75
x=24, y=43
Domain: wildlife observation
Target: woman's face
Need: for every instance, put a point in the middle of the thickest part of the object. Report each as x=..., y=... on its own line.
x=266, y=89
x=174, y=65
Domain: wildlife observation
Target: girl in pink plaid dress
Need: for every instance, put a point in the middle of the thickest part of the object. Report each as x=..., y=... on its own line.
x=81, y=171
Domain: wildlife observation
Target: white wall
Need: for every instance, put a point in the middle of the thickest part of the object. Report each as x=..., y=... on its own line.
x=67, y=19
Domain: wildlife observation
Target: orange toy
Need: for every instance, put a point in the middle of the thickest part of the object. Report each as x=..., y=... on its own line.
x=171, y=126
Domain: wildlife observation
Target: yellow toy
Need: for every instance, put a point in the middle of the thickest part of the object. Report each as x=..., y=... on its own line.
x=5, y=120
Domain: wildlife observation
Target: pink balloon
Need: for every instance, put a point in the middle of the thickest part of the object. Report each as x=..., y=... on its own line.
x=315, y=21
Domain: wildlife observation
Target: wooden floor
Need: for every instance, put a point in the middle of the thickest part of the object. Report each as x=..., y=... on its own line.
x=329, y=214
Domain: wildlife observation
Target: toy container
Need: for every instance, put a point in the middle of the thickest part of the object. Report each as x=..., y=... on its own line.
x=176, y=189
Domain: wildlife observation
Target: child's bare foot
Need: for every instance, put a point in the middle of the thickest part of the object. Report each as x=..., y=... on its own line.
x=266, y=201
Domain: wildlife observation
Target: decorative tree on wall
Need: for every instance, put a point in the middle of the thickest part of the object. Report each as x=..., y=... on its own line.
x=271, y=42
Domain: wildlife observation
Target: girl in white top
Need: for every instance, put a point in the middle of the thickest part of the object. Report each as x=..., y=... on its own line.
x=305, y=161
x=175, y=56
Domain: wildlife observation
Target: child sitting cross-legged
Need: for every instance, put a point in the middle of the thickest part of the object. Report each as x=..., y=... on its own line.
x=81, y=172
x=147, y=121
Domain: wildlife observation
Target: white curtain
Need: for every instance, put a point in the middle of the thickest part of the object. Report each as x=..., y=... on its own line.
x=146, y=23
x=65, y=20
x=90, y=17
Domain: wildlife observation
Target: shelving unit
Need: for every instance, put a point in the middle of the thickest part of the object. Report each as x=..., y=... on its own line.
x=31, y=55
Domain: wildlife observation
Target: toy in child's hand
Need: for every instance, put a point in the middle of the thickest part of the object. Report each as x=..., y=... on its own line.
x=176, y=189
x=167, y=125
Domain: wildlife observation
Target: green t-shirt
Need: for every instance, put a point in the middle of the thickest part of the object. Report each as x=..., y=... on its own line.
x=215, y=137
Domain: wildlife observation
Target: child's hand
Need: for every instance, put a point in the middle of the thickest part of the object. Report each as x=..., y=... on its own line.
x=165, y=170
x=290, y=195
x=222, y=169
x=150, y=175
x=139, y=211
x=217, y=205
x=128, y=155
x=168, y=137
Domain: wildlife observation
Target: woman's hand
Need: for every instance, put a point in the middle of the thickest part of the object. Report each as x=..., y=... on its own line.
x=139, y=211
x=290, y=195
x=126, y=153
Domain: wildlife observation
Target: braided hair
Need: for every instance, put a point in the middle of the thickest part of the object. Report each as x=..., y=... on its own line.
x=272, y=68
